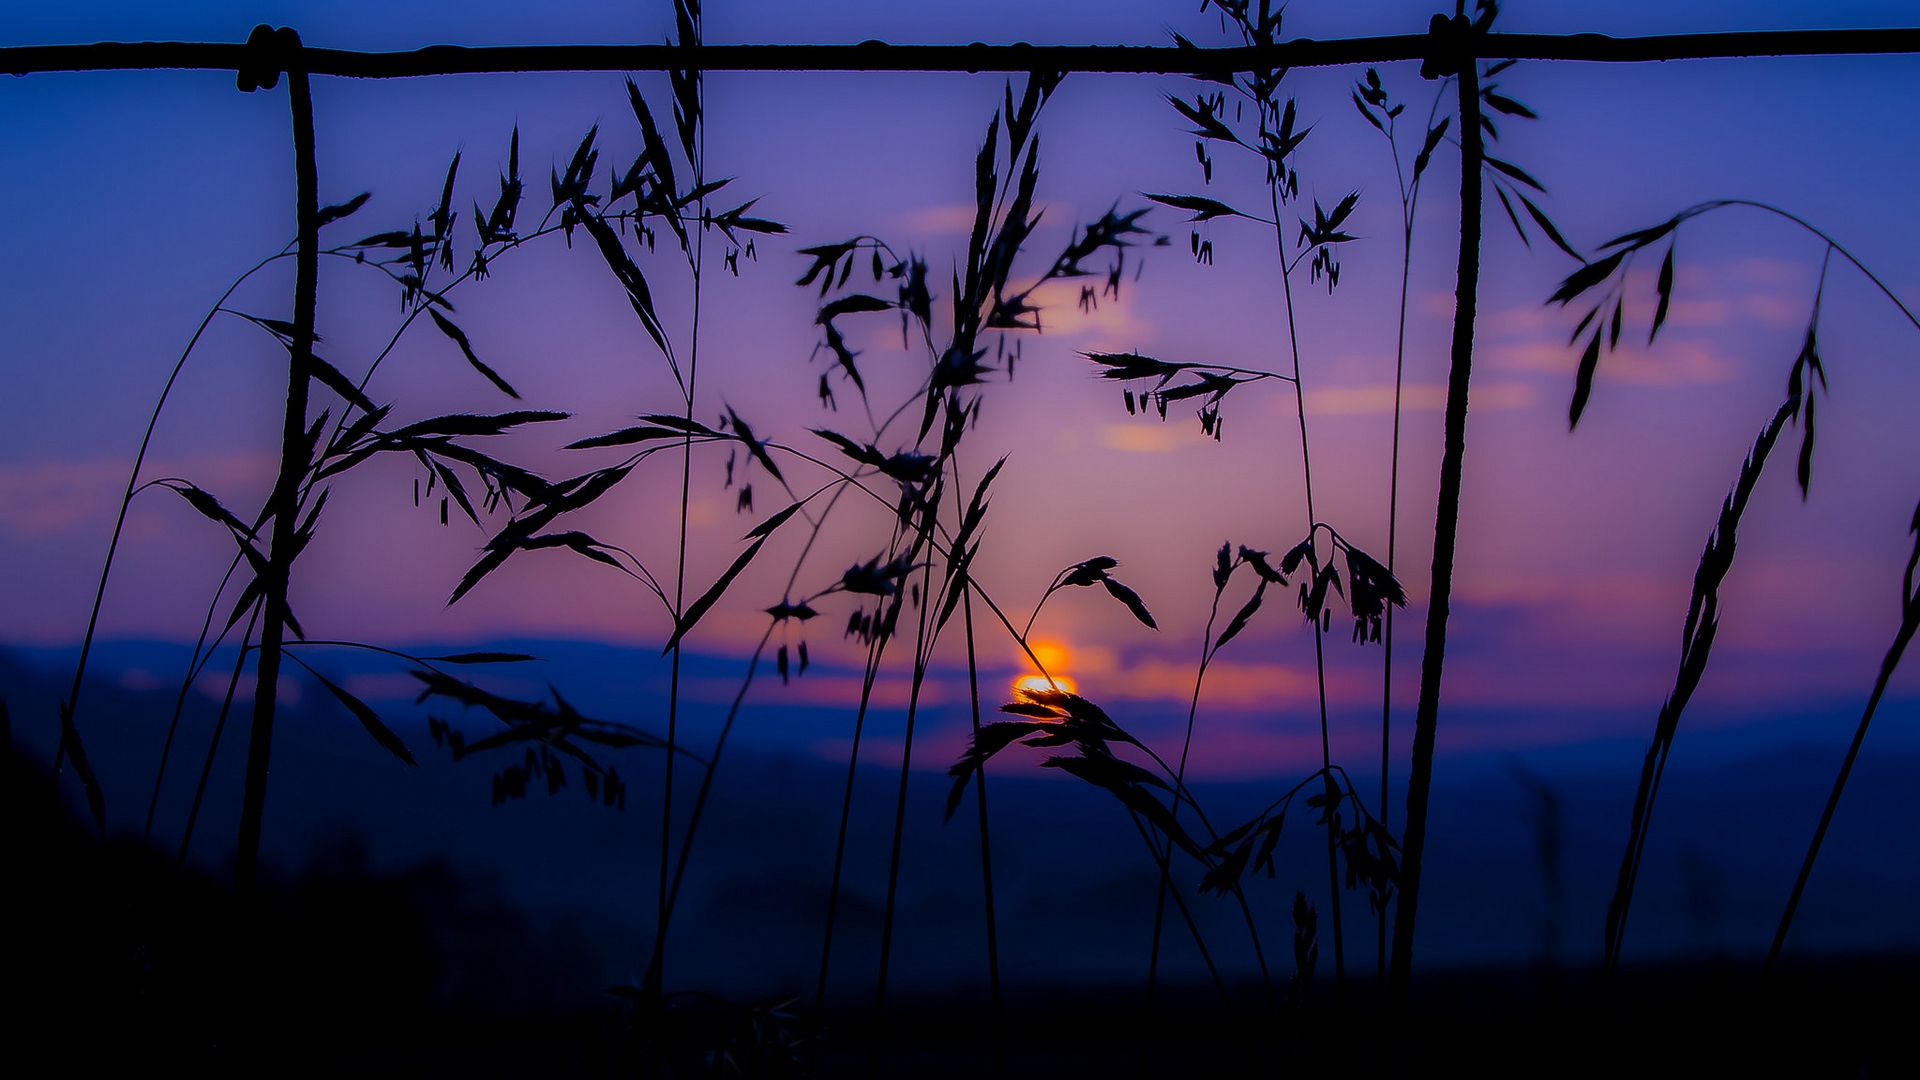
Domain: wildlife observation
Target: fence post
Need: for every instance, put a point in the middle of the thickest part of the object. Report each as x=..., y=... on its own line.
x=1447, y=519
x=283, y=504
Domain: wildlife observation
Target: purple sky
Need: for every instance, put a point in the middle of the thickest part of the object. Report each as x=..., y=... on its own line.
x=134, y=198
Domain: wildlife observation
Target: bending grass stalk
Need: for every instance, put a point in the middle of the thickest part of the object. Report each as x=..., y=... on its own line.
x=986, y=842
x=1909, y=623
x=213, y=744
x=1180, y=902
x=1207, y=653
x=1319, y=646
x=1409, y=206
x=1180, y=792
x=655, y=973
x=1445, y=534
x=1697, y=637
x=925, y=636
x=202, y=656
x=1697, y=645
x=69, y=730
x=293, y=463
x=658, y=961
x=875, y=650
x=1180, y=777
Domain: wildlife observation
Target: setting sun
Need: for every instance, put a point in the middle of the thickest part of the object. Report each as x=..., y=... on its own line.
x=1039, y=682
x=1051, y=657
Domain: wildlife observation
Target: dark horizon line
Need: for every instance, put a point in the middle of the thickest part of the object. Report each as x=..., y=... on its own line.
x=972, y=58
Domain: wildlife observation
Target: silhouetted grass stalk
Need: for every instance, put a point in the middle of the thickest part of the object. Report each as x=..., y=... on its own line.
x=1209, y=648
x=1409, y=191
x=1696, y=647
x=213, y=741
x=1909, y=623
x=923, y=658
x=1186, y=746
x=1716, y=561
x=69, y=731
x=1319, y=646
x=875, y=649
x=688, y=18
x=197, y=662
x=986, y=847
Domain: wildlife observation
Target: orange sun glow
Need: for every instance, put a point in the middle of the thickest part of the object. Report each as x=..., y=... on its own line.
x=1054, y=657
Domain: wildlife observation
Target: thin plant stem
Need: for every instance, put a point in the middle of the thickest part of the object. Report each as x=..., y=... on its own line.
x=923, y=656
x=700, y=799
x=1696, y=650
x=654, y=972
x=283, y=504
x=1909, y=623
x=875, y=650
x=126, y=502
x=1180, y=902
x=1186, y=746
x=202, y=654
x=1834, y=246
x=213, y=744
x=986, y=840
x=1180, y=775
x=1409, y=207
x=1446, y=531
x=1319, y=647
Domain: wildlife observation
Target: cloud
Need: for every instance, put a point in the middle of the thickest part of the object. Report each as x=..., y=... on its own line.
x=1152, y=437
x=1419, y=397
x=54, y=496
x=1680, y=360
x=1102, y=323
x=51, y=497
x=1229, y=684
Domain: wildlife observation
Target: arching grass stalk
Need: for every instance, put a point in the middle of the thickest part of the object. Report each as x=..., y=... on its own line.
x=875, y=651
x=924, y=639
x=1607, y=274
x=1909, y=624
x=986, y=848
x=70, y=734
x=1207, y=648
x=1225, y=563
x=213, y=742
x=202, y=655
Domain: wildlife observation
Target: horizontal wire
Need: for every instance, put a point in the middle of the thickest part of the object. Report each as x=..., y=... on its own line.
x=976, y=57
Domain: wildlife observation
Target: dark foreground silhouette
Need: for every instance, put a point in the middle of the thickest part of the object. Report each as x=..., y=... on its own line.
x=118, y=963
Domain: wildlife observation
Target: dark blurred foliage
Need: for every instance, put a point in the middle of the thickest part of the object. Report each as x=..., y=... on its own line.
x=119, y=963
